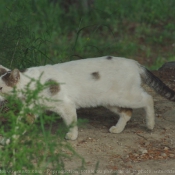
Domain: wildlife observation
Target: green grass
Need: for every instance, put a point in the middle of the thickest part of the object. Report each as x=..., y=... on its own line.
x=38, y=33
x=37, y=149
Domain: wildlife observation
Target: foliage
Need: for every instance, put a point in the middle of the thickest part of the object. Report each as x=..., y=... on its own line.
x=41, y=32
x=32, y=145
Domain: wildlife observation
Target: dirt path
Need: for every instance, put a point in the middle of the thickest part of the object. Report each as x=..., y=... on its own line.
x=134, y=151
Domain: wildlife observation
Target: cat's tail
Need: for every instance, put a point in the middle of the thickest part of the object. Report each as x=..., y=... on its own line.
x=154, y=82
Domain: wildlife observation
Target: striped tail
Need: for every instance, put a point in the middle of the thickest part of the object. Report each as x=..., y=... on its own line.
x=154, y=82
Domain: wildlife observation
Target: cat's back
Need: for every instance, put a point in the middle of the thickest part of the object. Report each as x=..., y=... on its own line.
x=96, y=64
x=84, y=69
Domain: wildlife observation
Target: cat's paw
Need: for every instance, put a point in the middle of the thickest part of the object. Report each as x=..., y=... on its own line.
x=150, y=125
x=116, y=129
x=72, y=135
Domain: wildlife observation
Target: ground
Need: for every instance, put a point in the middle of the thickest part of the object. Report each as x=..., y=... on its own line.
x=134, y=151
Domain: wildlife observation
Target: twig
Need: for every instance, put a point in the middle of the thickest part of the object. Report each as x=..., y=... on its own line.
x=140, y=135
x=14, y=52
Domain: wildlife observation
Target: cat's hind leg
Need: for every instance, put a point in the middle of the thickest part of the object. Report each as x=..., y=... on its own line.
x=149, y=109
x=124, y=114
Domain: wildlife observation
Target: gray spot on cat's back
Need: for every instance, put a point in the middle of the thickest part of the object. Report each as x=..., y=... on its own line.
x=95, y=75
x=109, y=57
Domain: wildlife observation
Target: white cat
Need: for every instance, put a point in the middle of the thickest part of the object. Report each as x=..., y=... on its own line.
x=112, y=82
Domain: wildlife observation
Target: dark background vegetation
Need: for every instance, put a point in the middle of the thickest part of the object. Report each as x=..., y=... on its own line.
x=39, y=32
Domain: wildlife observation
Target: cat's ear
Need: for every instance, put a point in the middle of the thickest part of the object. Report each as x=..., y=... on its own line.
x=2, y=71
x=15, y=75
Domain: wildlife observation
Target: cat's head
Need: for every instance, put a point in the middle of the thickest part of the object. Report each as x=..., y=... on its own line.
x=8, y=80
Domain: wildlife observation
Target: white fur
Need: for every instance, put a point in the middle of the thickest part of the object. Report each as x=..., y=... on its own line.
x=119, y=85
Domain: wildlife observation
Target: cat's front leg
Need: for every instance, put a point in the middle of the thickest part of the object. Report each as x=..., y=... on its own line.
x=68, y=113
x=72, y=134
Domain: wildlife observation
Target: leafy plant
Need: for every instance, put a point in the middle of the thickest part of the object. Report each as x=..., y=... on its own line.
x=42, y=32
x=32, y=145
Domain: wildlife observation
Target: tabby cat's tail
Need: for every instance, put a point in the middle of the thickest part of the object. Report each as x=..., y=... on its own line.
x=154, y=82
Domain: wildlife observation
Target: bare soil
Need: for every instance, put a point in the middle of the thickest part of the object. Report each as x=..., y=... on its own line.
x=134, y=151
